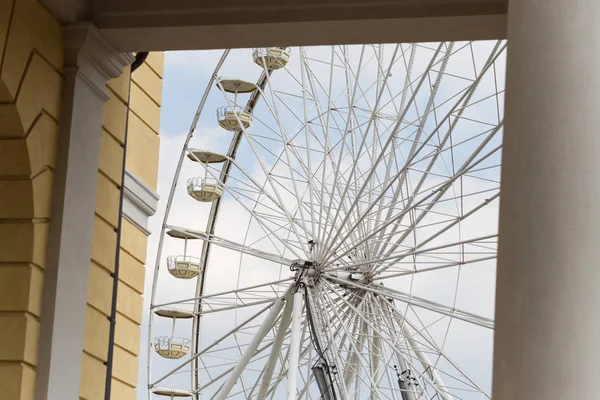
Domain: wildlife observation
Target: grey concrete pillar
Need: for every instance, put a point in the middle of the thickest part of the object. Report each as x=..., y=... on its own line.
x=89, y=62
x=548, y=283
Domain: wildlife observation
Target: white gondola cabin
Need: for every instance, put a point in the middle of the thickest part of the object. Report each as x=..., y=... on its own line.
x=271, y=57
x=184, y=267
x=204, y=189
x=172, y=347
x=228, y=118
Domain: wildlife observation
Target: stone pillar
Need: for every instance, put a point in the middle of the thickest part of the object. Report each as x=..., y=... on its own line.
x=89, y=62
x=548, y=280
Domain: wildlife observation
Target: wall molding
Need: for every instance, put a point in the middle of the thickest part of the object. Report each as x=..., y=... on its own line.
x=139, y=203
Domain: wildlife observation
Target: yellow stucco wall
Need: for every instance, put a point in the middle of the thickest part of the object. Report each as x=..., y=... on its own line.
x=31, y=57
x=142, y=161
x=31, y=61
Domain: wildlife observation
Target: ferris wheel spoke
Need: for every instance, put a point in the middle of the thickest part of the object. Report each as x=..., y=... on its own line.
x=323, y=187
x=257, y=358
x=327, y=330
x=286, y=139
x=265, y=172
x=355, y=350
x=307, y=377
x=373, y=360
x=342, y=204
x=428, y=377
x=231, y=245
x=258, y=218
x=397, y=111
x=327, y=126
x=380, y=71
x=250, y=350
x=406, y=362
x=214, y=344
x=352, y=115
x=380, y=361
x=333, y=239
x=439, y=192
x=464, y=101
x=228, y=371
x=213, y=309
x=419, y=302
x=239, y=194
x=410, y=64
x=458, y=220
x=410, y=332
x=249, y=176
x=300, y=196
x=387, y=329
x=420, y=251
x=308, y=149
x=310, y=77
x=356, y=342
x=433, y=196
x=414, y=271
x=462, y=171
x=271, y=290
x=423, y=120
x=362, y=144
x=300, y=204
x=386, y=341
x=283, y=371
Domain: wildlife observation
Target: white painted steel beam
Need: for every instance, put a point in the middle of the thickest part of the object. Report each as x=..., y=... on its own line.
x=294, y=357
x=250, y=350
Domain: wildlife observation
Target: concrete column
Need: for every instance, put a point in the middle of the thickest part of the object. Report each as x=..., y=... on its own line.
x=89, y=62
x=548, y=281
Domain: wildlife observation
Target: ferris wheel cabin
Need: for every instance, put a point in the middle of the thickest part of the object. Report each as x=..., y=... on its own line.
x=271, y=57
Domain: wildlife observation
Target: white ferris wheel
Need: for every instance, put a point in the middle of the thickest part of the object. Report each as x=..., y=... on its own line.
x=332, y=233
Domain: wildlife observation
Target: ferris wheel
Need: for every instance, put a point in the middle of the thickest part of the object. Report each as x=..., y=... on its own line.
x=332, y=232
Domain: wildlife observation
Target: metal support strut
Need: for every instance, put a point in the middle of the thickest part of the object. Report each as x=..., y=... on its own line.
x=294, y=357
x=251, y=349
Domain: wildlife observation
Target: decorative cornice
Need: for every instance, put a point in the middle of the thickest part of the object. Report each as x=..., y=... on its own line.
x=139, y=203
x=89, y=55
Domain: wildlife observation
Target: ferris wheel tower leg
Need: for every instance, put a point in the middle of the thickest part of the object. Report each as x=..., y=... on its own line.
x=273, y=357
x=251, y=349
x=294, y=357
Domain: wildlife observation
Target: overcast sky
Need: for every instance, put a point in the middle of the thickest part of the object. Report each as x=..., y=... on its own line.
x=185, y=79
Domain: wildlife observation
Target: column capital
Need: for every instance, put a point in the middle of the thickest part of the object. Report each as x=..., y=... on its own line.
x=92, y=57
